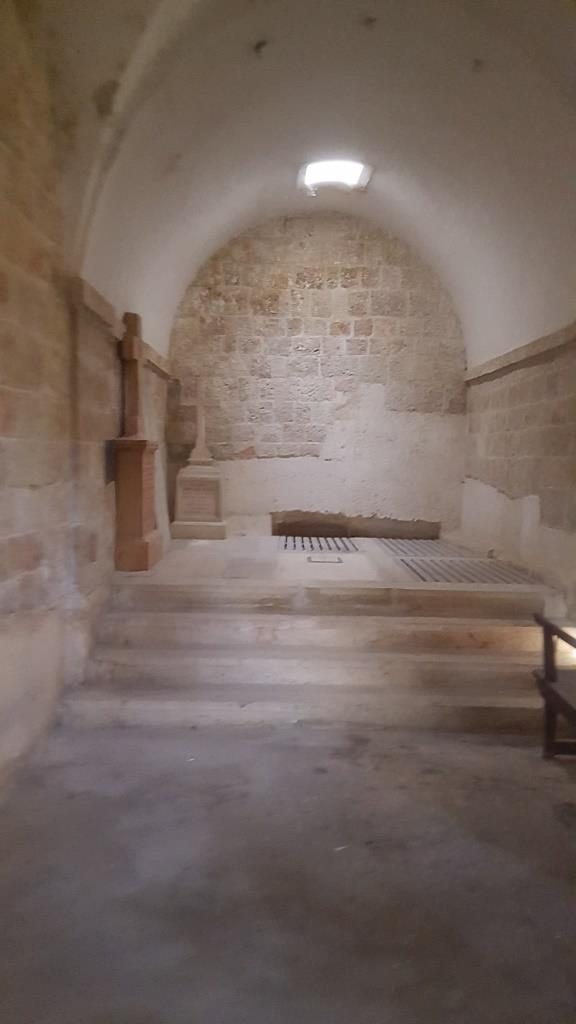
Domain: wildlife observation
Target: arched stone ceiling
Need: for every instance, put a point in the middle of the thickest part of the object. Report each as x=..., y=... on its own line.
x=464, y=109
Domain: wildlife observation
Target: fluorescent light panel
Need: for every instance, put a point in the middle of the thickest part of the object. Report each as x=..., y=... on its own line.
x=341, y=173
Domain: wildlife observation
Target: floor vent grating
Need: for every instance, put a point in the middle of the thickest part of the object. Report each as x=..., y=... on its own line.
x=316, y=545
x=403, y=547
x=465, y=570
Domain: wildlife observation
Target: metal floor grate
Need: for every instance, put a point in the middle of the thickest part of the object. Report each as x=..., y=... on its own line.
x=324, y=545
x=465, y=570
x=403, y=547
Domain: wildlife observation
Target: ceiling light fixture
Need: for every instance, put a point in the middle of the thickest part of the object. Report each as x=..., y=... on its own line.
x=346, y=174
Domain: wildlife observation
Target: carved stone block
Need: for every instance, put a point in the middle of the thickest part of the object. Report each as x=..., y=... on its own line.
x=198, y=503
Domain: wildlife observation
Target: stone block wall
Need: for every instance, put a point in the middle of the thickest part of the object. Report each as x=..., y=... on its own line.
x=35, y=416
x=520, y=494
x=34, y=341
x=60, y=402
x=331, y=367
x=522, y=434
x=96, y=420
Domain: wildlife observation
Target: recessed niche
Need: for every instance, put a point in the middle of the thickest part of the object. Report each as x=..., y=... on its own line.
x=325, y=524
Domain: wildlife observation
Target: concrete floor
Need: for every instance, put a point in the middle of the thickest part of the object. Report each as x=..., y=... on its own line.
x=289, y=875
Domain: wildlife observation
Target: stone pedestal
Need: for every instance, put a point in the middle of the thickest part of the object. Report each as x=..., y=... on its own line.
x=198, y=503
x=138, y=541
x=198, y=512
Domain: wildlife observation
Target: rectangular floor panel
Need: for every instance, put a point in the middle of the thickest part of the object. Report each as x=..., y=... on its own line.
x=465, y=570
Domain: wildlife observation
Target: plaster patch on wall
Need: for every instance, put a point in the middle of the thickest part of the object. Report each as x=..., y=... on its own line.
x=411, y=469
x=513, y=529
x=522, y=430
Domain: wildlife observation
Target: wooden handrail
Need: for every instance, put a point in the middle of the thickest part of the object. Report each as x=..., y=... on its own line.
x=556, y=700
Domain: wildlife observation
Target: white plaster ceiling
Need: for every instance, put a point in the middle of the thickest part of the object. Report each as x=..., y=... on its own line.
x=464, y=108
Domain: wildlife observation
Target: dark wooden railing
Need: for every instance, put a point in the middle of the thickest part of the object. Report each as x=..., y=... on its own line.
x=558, y=688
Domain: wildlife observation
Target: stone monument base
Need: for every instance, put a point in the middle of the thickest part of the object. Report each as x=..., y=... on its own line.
x=198, y=503
x=198, y=531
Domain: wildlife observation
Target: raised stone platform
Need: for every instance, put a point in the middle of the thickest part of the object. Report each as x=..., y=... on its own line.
x=245, y=632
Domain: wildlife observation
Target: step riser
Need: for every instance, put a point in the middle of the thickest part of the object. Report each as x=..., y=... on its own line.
x=423, y=714
x=334, y=600
x=191, y=671
x=370, y=633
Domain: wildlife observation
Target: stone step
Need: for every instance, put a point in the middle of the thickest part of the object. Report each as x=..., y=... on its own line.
x=367, y=632
x=278, y=704
x=242, y=666
x=439, y=600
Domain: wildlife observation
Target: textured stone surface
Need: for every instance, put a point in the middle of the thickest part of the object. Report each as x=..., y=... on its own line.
x=323, y=338
x=289, y=321
x=35, y=357
x=39, y=541
x=522, y=434
x=519, y=496
x=59, y=404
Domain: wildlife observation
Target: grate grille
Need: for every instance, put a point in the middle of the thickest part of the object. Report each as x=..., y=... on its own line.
x=464, y=570
x=403, y=547
x=316, y=545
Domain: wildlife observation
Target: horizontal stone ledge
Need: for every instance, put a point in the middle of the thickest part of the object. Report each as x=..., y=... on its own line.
x=522, y=355
x=155, y=362
x=84, y=296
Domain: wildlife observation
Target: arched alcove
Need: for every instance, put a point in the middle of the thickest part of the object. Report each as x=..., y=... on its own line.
x=330, y=364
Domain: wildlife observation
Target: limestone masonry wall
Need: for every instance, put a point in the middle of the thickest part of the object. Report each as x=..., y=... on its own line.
x=332, y=370
x=520, y=495
x=35, y=415
x=59, y=403
x=522, y=434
